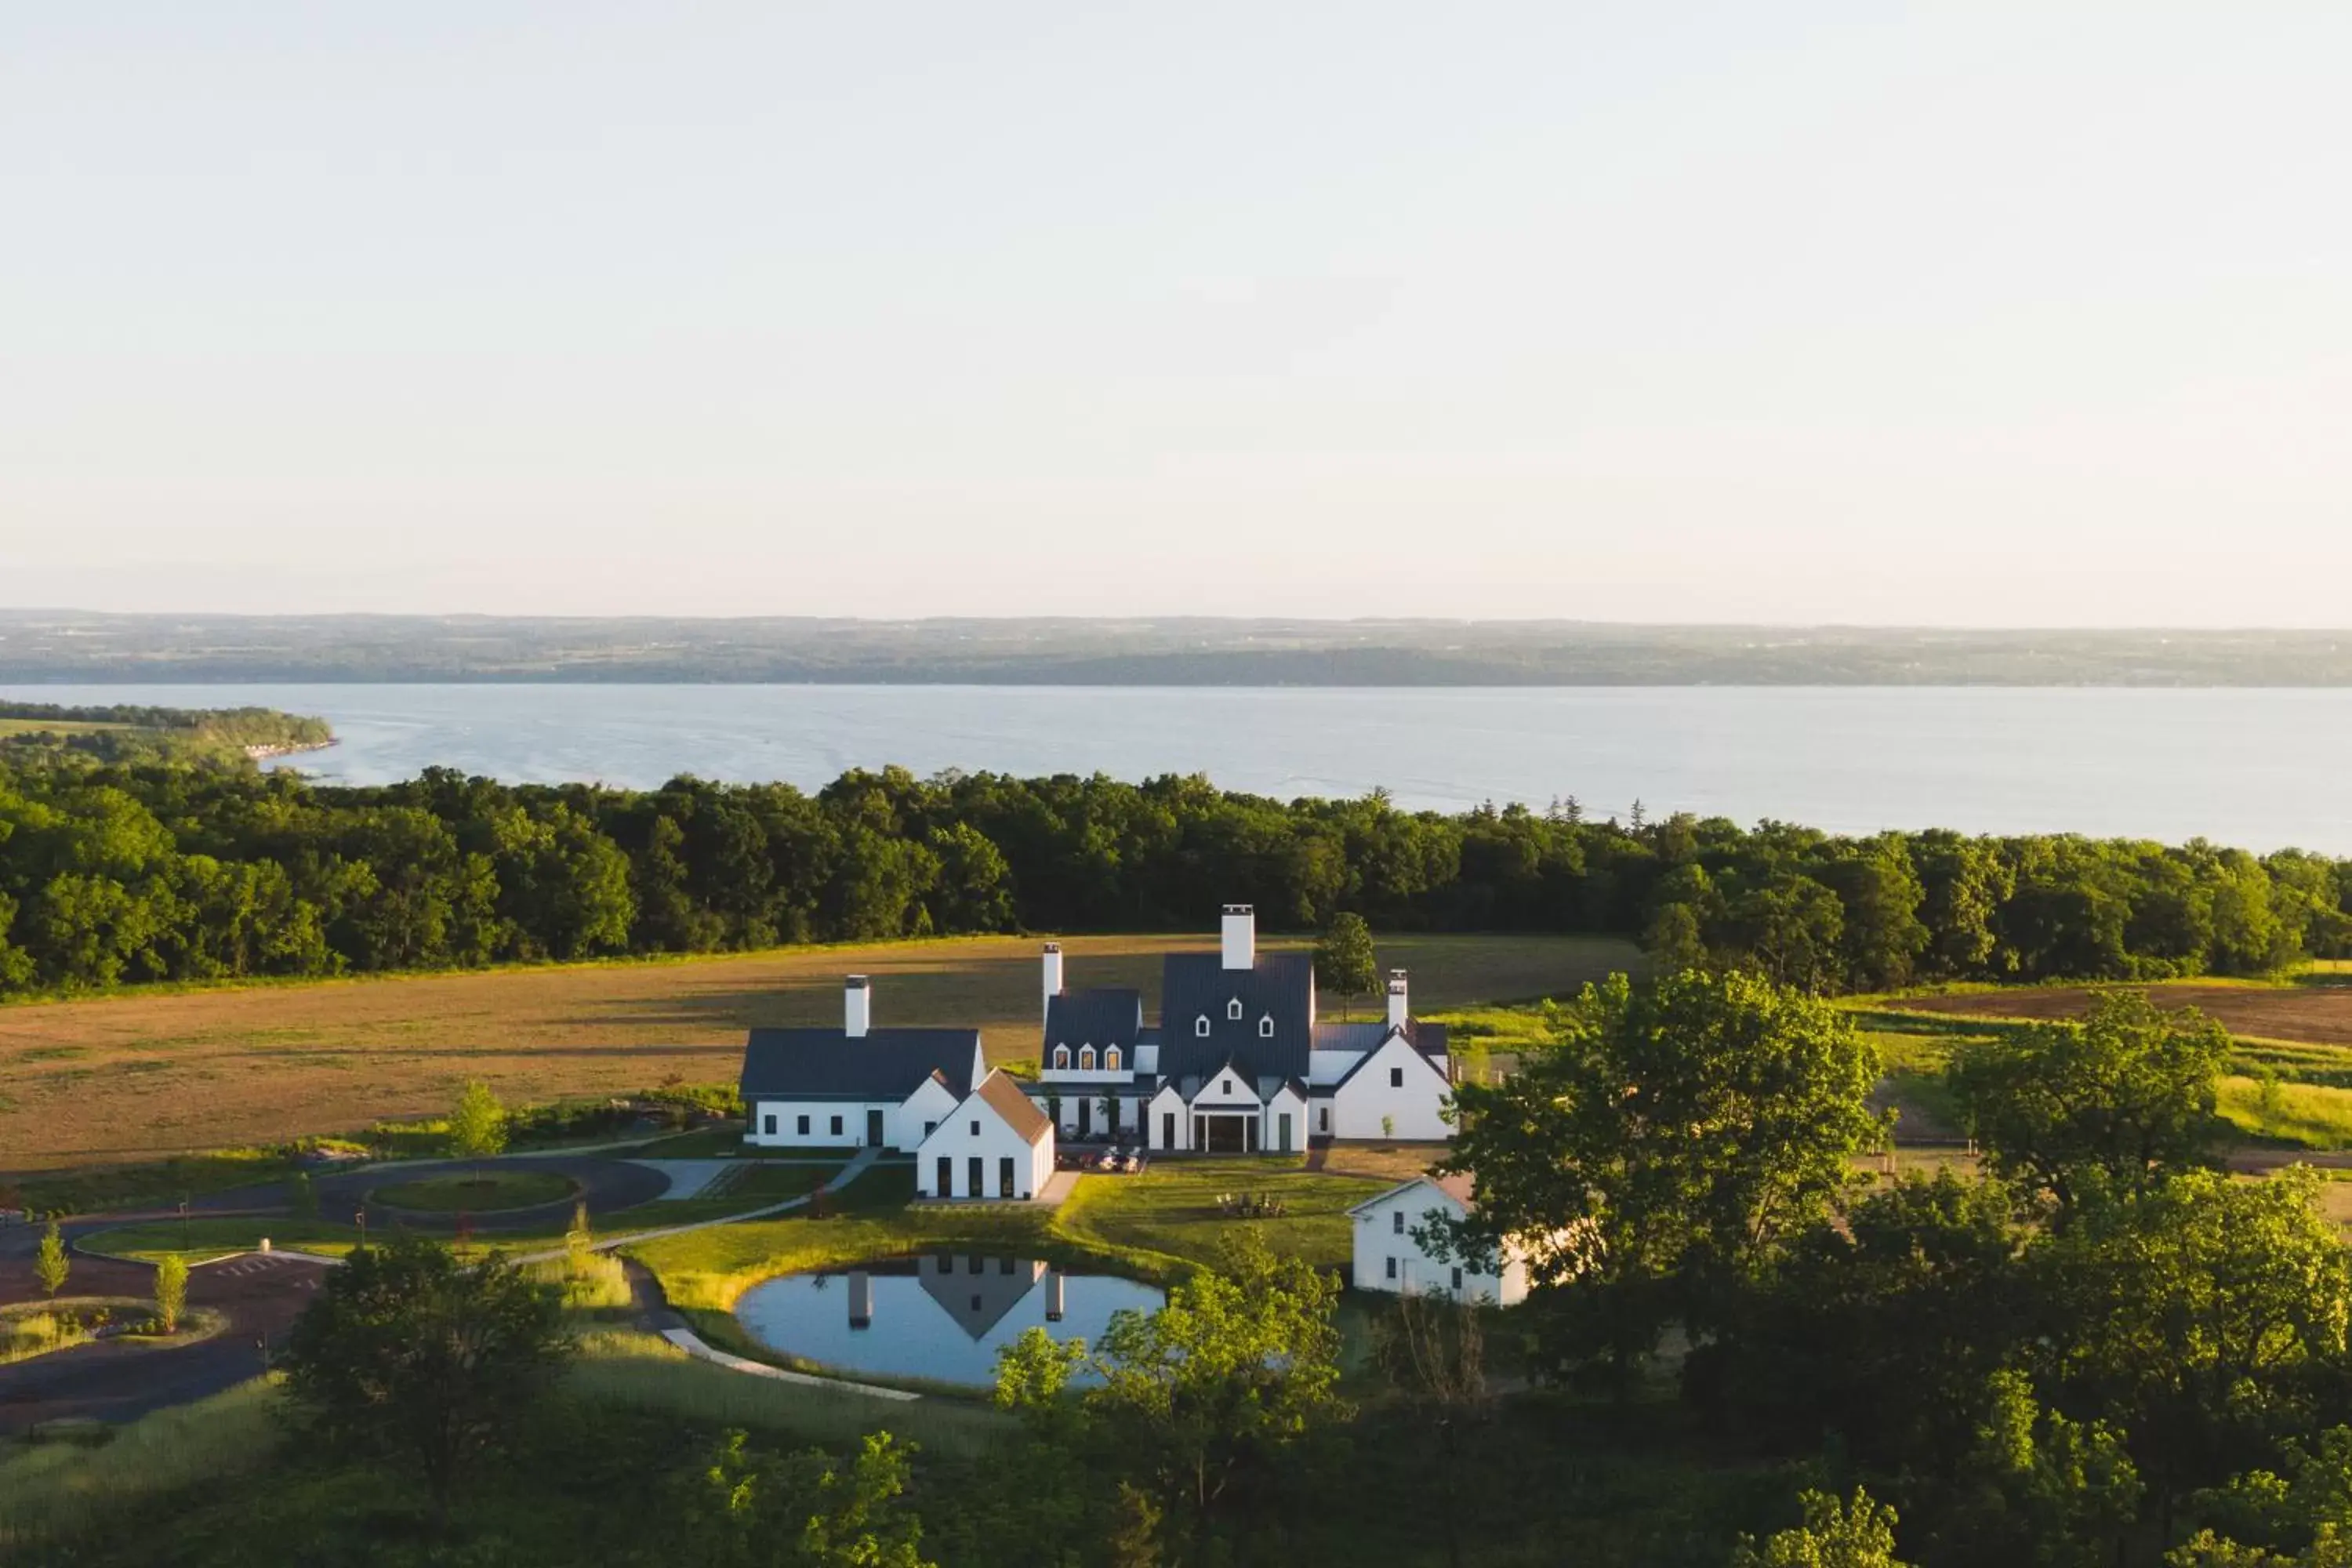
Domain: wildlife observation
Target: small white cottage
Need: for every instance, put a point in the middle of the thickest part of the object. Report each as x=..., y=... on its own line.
x=1389, y=1258
x=995, y=1144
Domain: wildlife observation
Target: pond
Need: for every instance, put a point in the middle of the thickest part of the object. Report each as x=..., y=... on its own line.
x=940, y=1316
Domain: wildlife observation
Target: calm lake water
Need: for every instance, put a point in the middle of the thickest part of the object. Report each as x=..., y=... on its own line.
x=942, y=1317
x=2262, y=769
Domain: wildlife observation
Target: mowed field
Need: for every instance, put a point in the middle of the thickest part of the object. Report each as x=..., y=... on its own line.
x=2315, y=1011
x=120, y=1079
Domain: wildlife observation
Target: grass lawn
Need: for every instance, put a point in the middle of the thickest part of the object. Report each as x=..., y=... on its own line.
x=488, y=1193
x=1171, y=1209
x=111, y=1080
x=750, y=1185
x=2311, y=1115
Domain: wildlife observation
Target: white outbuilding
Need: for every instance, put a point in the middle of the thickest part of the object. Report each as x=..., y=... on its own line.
x=995, y=1144
x=1388, y=1257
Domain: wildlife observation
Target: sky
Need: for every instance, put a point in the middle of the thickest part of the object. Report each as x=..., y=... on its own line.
x=1985, y=313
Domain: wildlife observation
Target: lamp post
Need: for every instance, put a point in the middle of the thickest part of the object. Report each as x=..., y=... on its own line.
x=359, y=1217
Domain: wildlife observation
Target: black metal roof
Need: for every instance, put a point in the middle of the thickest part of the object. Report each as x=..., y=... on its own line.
x=1107, y=1017
x=1192, y=985
x=881, y=1065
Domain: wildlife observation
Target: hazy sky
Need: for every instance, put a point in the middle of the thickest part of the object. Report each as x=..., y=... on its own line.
x=1985, y=313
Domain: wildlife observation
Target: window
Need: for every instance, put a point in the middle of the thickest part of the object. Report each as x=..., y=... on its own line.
x=947, y=1260
x=1265, y=1027
x=930, y=1127
x=1200, y=1026
x=769, y=1127
x=1061, y=1056
x=1110, y=1059
x=975, y=1128
x=1086, y=1059
x=1322, y=1119
x=1392, y=1262
x=803, y=1126
x=975, y=1303
x=1396, y=1078
x=1396, y=1222
x=837, y=1127
x=1004, y=1265
x=1457, y=1280
x=1233, y=1009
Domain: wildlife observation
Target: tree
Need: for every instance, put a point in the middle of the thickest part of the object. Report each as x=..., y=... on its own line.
x=808, y=1509
x=170, y=1291
x=1674, y=940
x=2126, y=1094
x=478, y=1124
x=411, y=1356
x=1880, y=1326
x=1661, y=1146
x=1434, y=1351
x=1835, y=1535
x=50, y=1265
x=1344, y=960
x=2205, y=1317
x=1240, y=1365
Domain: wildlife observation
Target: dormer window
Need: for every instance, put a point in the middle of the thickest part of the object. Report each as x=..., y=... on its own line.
x=1086, y=1059
x=1110, y=1059
x=1233, y=1009
x=1061, y=1057
x=1201, y=1026
x=1265, y=1027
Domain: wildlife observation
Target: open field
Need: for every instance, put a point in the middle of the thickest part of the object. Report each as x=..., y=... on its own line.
x=2315, y=1011
x=118, y=1079
x=54, y=727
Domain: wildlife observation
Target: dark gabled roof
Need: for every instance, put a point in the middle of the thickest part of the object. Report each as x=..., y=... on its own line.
x=1100, y=1018
x=883, y=1064
x=1004, y=1097
x=1365, y=1061
x=1281, y=985
x=1429, y=1039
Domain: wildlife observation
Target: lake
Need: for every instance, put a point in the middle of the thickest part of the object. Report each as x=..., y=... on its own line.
x=2258, y=768
x=942, y=1317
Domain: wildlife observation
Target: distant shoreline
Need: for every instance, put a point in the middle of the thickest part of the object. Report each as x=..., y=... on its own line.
x=62, y=647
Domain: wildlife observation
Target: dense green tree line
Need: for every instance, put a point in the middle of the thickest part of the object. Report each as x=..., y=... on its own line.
x=117, y=873
x=2105, y=1351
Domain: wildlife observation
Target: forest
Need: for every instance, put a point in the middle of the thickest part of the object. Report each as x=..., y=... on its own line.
x=123, y=872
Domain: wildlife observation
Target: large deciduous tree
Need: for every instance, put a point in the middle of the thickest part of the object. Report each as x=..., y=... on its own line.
x=1662, y=1144
x=412, y=1356
x=2118, y=1099
x=1344, y=960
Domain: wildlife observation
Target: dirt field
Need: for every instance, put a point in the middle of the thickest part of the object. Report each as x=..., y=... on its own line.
x=2316, y=1012
x=121, y=1078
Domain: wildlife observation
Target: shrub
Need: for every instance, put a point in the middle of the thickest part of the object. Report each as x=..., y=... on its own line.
x=170, y=1291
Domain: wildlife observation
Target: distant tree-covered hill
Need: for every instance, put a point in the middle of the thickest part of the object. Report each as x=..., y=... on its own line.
x=135, y=734
x=73, y=646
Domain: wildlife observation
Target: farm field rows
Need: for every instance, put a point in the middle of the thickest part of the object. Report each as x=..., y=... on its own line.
x=2318, y=1011
x=133, y=1077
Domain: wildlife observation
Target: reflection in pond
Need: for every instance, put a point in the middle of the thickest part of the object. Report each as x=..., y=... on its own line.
x=941, y=1316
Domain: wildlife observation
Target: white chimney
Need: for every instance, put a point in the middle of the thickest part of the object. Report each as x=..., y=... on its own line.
x=1054, y=1295
x=1397, y=1012
x=1052, y=973
x=856, y=1007
x=1240, y=937
x=861, y=1300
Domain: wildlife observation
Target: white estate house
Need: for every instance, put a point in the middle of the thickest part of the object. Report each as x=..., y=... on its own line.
x=926, y=1092
x=1239, y=1061
x=1388, y=1257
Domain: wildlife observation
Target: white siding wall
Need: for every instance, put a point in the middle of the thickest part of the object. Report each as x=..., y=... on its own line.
x=931, y=1103
x=784, y=1116
x=1358, y=1105
x=1164, y=1104
x=956, y=1141
x=1389, y=1261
